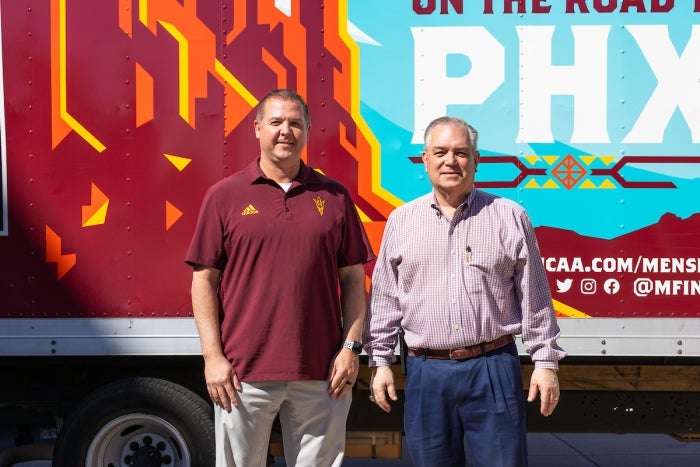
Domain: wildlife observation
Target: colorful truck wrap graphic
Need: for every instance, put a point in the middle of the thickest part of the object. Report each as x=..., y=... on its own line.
x=119, y=114
x=118, y=117
x=588, y=116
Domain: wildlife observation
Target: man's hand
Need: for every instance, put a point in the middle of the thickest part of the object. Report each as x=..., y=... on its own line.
x=545, y=381
x=346, y=366
x=222, y=382
x=382, y=386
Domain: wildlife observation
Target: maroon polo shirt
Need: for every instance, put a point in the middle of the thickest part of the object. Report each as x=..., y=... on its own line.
x=279, y=255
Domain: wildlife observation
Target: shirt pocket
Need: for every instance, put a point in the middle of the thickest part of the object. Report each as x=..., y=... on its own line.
x=474, y=275
x=483, y=279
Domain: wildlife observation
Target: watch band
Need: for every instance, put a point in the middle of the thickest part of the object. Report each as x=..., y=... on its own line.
x=355, y=346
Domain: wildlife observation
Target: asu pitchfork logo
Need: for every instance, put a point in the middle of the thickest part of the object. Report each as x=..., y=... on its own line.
x=320, y=204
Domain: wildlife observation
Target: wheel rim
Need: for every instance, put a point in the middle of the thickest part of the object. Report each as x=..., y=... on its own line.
x=138, y=439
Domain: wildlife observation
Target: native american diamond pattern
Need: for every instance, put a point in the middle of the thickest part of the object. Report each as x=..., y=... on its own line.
x=569, y=172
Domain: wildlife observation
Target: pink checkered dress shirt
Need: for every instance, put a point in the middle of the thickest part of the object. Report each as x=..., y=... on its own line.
x=454, y=283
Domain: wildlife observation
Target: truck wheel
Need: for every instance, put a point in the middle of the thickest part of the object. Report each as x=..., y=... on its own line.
x=138, y=422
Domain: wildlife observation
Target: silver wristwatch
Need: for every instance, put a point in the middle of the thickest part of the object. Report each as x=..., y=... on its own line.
x=355, y=346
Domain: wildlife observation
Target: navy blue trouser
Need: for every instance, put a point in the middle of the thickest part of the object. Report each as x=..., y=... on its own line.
x=468, y=413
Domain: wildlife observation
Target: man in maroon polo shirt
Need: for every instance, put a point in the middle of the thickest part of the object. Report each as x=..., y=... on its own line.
x=273, y=245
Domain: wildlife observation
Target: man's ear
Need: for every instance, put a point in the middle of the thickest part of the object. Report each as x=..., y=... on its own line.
x=256, y=127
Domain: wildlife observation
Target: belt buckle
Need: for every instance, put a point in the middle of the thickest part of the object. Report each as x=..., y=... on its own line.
x=456, y=359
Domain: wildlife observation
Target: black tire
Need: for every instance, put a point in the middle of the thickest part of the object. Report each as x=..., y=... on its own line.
x=136, y=419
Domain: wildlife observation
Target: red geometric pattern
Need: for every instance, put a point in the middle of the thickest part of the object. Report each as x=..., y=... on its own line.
x=569, y=172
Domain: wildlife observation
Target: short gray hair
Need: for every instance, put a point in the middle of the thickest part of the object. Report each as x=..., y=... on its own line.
x=447, y=120
x=284, y=94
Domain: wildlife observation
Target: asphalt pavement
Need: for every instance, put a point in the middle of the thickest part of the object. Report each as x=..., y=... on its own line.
x=584, y=450
x=566, y=450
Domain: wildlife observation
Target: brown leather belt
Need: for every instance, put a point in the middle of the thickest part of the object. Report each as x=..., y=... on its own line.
x=465, y=352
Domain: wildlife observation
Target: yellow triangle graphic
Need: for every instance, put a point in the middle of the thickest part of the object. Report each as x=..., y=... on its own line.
x=588, y=160
x=532, y=184
x=96, y=212
x=607, y=160
x=179, y=162
x=607, y=184
x=98, y=218
x=550, y=184
x=550, y=159
x=532, y=159
x=587, y=184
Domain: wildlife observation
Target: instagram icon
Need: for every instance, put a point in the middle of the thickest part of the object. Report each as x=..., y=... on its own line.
x=588, y=286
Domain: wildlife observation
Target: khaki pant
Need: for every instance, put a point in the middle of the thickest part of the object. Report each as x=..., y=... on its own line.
x=313, y=425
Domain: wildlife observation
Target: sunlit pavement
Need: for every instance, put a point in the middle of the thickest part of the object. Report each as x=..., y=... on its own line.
x=566, y=450
x=584, y=450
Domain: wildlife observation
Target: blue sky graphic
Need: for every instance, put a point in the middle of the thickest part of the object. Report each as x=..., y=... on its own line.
x=387, y=97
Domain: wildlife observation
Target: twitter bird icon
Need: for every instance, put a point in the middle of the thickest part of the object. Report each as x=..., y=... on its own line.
x=564, y=286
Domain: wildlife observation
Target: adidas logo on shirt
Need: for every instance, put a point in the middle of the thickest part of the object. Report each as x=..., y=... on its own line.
x=250, y=209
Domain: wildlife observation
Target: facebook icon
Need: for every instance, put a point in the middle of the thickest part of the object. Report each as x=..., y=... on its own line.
x=611, y=286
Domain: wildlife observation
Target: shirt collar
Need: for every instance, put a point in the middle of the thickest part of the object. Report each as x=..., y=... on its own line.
x=254, y=174
x=462, y=208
